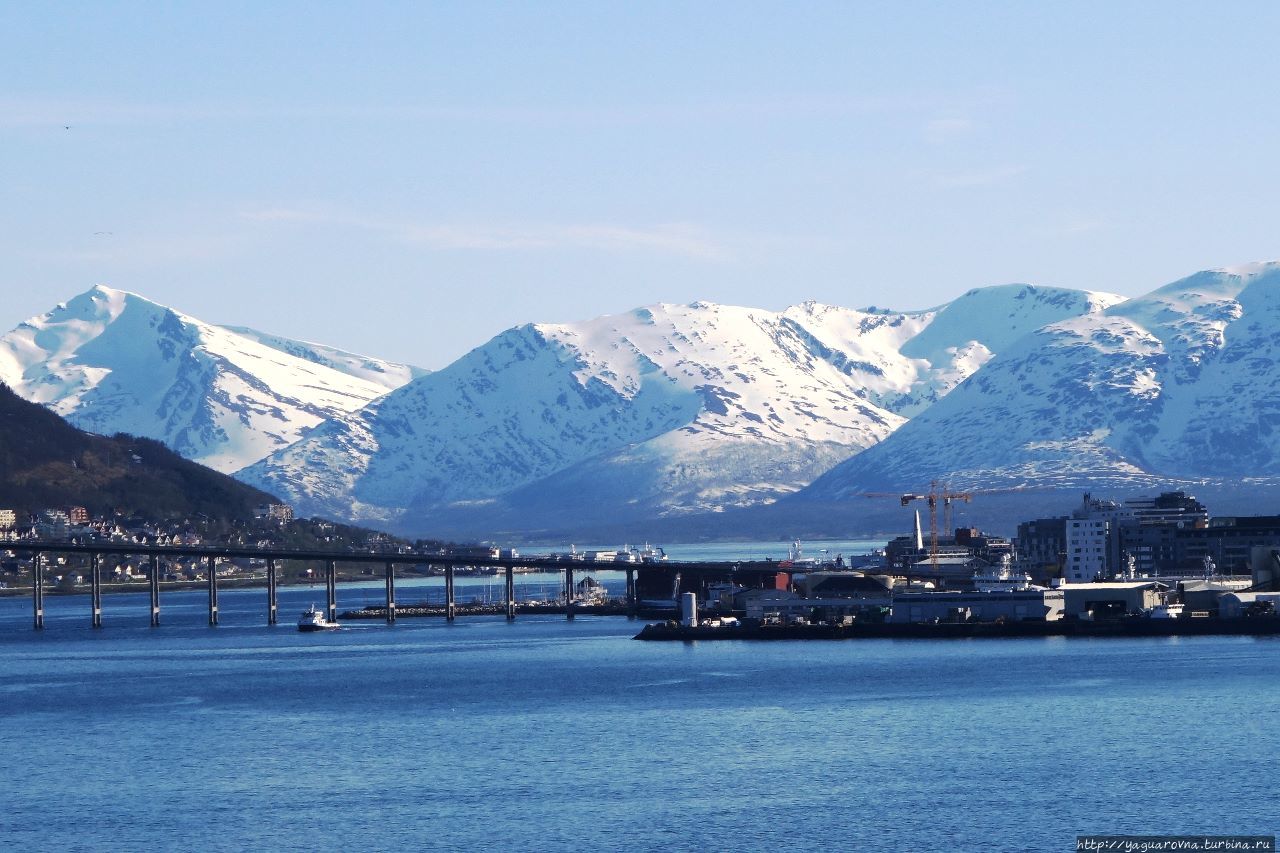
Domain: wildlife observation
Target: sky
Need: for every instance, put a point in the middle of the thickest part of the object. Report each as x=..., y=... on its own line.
x=409, y=179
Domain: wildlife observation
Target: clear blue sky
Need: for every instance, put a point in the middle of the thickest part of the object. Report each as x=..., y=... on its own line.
x=409, y=179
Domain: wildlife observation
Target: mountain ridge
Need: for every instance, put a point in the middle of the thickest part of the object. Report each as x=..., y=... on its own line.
x=46, y=462
x=670, y=409
x=113, y=361
x=1177, y=386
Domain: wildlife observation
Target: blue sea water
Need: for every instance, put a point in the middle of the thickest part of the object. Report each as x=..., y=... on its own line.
x=550, y=735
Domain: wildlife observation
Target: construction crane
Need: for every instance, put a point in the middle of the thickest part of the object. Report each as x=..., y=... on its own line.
x=938, y=493
x=941, y=494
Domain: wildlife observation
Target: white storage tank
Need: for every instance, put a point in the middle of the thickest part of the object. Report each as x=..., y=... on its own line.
x=688, y=609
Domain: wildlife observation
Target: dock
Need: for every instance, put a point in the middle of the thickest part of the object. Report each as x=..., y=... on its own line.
x=1135, y=627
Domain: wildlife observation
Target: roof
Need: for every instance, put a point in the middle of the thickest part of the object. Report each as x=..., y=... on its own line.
x=950, y=561
x=1112, y=585
x=1244, y=597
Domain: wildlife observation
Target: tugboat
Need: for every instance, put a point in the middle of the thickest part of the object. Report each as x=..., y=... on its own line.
x=313, y=620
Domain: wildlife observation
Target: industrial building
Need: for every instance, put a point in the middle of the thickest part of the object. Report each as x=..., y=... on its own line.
x=786, y=606
x=1235, y=605
x=1018, y=605
x=1110, y=600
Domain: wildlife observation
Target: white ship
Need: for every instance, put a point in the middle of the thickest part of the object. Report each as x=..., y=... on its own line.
x=1002, y=578
x=797, y=560
x=647, y=554
x=314, y=620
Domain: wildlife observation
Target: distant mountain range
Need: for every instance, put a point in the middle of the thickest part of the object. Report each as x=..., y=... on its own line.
x=111, y=361
x=1180, y=385
x=669, y=411
x=703, y=418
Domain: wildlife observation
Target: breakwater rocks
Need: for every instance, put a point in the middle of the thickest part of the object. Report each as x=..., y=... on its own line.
x=499, y=609
x=1137, y=627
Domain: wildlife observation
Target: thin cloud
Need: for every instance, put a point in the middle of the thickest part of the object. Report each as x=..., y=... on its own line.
x=667, y=238
x=977, y=178
x=151, y=250
x=18, y=111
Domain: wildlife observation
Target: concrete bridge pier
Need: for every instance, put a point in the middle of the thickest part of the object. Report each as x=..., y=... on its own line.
x=272, y=601
x=633, y=600
x=568, y=592
x=331, y=589
x=153, y=578
x=450, y=608
x=212, y=574
x=511, y=593
x=95, y=589
x=37, y=591
x=391, y=593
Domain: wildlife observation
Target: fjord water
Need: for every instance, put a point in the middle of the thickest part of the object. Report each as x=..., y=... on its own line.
x=548, y=735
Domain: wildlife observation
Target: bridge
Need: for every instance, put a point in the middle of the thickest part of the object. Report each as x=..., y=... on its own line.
x=698, y=571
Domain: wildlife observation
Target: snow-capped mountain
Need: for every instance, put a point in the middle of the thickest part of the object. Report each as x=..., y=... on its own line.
x=668, y=409
x=111, y=361
x=388, y=374
x=1181, y=386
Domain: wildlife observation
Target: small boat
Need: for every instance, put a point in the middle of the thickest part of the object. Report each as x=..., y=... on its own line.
x=591, y=592
x=313, y=620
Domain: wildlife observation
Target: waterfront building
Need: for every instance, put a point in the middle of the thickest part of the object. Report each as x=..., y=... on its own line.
x=1151, y=534
x=1015, y=605
x=1169, y=535
x=787, y=606
x=1092, y=546
x=1181, y=547
x=760, y=603
x=8, y=519
x=1040, y=548
x=1234, y=605
x=1227, y=540
x=1173, y=508
x=1202, y=595
x=839, y=585
x=1110, y=600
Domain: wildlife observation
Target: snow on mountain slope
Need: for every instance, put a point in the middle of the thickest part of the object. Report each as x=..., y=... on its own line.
x=1179, y=385
x=389, y=374
x=907, y=361
x=668, y=409
x=111, y=361
x=538, y=399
